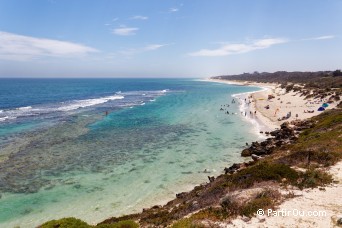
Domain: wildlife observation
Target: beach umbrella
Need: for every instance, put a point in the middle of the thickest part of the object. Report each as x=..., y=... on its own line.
x=325, y=105
x=321, y=109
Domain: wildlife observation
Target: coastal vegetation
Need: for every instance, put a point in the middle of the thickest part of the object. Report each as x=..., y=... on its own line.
x=319, y=79
x=77, y=223
x=321, y=84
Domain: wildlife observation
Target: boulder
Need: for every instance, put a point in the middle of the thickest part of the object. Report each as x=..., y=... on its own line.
x=246, y=153
x=256, y=157
x=180, y=195
x=195, y=206
x=339, y=221
x=211, y=179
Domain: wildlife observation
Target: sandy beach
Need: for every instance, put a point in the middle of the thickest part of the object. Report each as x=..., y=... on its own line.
x=271, y=113
x=324, y=204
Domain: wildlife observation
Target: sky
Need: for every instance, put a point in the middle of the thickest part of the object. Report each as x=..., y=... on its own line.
x=167, y=38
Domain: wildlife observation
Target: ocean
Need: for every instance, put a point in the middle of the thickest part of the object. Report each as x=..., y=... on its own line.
x=97, y=148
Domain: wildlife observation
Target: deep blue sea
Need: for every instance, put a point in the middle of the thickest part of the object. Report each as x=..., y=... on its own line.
x=96, y=148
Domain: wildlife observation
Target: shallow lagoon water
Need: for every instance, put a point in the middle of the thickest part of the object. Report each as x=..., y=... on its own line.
x=155, y=142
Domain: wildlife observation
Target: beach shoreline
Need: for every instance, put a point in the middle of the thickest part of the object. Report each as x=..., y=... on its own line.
x=279, y=107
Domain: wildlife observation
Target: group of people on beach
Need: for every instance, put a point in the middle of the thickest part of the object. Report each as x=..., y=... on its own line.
x=248, y=102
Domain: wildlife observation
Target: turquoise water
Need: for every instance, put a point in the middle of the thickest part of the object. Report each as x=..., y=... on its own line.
x=61, y=156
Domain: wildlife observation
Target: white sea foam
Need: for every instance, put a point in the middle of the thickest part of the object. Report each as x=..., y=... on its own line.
x=6, y=118
x=25, y=108
x=88, y=102
x=62, y=106
x=3, y=118
x=134, y=98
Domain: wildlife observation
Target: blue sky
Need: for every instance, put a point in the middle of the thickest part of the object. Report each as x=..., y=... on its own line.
x=161, y=38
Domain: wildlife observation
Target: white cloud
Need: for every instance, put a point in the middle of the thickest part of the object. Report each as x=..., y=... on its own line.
x=21, y=48
x=173, y=10
x=138, y=17
x=153, y=47
x=150, y=47
x=230, y=49
x=321, y=37
x=125, y=31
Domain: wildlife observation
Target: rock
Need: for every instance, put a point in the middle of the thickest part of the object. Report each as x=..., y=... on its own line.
x=236, y=166
x=339, y=221
x=195, y=205
x=211, y=179
x=262, y=220
x=274, y=133
x=256, y=157
x=259, y=151
x=286, y=134
x=285, y=125
x=255, y=144
x=156, y=207
x=181, y=195
x=246, y=153
x=232, y=168
x=245, y=219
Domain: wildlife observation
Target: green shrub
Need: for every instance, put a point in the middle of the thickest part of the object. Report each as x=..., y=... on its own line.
x=120, y=224
x=313, y=178
x=66, y=223
x=229, y=204
x=264, y=171
x=77, y=223
x=263, y=200
x=258, y=203
x=187, y=223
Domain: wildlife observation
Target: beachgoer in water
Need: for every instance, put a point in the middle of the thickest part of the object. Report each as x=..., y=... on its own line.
x=106, y=113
